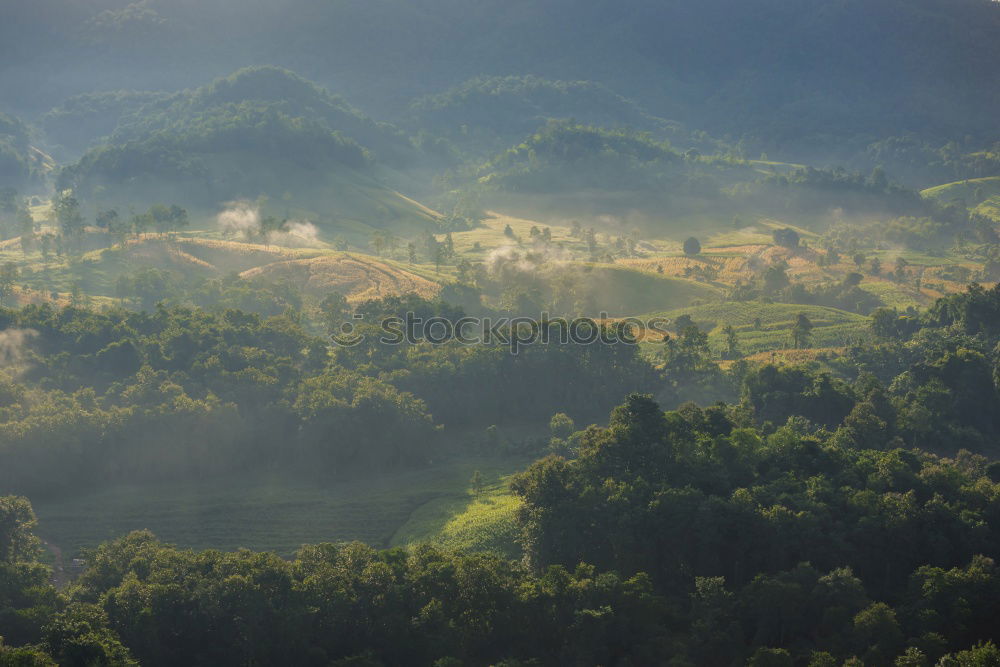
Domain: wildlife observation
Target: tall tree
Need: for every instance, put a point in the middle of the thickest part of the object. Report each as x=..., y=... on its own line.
x=692, y=246
x=801, y=331
x=732, y=342
x=8, y=276
x=68, y=215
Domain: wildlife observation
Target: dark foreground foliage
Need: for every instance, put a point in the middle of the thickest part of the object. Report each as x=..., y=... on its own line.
x=673, y=538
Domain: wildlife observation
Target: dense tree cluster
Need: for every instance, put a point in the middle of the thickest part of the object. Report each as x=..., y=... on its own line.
x=789, y=540
x=125, y=395
x=178, y=391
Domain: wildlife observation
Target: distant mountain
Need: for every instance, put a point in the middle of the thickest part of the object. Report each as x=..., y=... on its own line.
x=259, y=133
x=564, y=156
x=270, y=91
x=811, y=80
x=487, y=114
x=569, y=169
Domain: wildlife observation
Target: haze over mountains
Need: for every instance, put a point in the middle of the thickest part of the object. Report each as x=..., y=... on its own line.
x=807, y=79
x=590, y=332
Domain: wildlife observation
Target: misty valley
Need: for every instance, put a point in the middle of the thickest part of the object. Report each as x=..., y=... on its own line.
x=500, y=333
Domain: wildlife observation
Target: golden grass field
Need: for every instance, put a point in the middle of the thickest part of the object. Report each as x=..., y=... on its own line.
x=660, y=278
x=357, y=277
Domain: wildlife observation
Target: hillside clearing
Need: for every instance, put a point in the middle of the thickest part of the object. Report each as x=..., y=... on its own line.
x=262, y=511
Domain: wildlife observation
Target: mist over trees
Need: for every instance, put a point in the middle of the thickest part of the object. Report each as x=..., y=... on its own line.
x=499, y=333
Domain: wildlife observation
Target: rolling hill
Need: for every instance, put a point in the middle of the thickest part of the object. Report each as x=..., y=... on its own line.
x=358, y=277
x=980, y=195
x=262, y=133
x=486, y=114
x=315, y=271
x=972, y=191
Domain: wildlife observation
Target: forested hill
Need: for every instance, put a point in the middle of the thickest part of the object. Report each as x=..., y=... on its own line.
x=19, y=165
x=794, y=74
x=266, y=89
x=260, y=132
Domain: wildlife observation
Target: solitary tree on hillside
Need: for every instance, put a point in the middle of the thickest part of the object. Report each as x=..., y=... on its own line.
x=900, y=270
x=692, y=246
x=786, y=238
x=732, y=342
x=801, y=331
x=8, y=276
x=67, y=210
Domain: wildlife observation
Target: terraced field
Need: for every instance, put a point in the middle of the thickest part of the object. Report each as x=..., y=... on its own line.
x=357, y=277
x=833, y=327
x=314, y=270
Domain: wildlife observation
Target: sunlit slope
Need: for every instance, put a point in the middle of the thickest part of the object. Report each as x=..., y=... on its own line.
x=972, y=191
x=467, y=520
x=619, y=290
x=315, y=271
x=767, y=326
x=359, y=277
x=265, y=512
x=990, y=208
x=980, y=195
